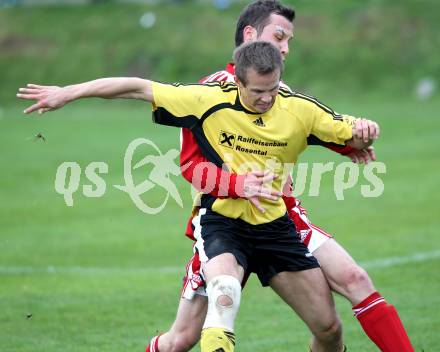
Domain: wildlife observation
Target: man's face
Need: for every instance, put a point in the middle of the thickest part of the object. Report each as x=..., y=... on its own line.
x=279, y=32
x=260, y=91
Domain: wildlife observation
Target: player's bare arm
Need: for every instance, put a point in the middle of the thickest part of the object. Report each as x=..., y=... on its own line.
x=53, y=97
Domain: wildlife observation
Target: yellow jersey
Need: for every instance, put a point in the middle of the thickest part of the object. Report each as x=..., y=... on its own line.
x=232, y=136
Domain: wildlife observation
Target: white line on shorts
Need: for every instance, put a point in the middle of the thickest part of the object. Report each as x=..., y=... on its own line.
x=80, y=270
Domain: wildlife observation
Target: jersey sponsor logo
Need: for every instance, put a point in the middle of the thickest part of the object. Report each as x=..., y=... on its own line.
x=259, y=122
x=252, y=140
x=251, y=151
x=227, y=139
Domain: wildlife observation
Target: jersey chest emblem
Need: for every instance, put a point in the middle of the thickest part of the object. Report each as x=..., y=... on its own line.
x=259, y=122
x=227, y=139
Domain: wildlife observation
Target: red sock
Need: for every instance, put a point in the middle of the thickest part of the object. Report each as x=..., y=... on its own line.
x=382, y=324
x=154, y=344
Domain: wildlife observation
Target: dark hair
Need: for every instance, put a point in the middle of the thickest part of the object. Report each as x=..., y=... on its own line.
x=263, y=57
x=257, y=15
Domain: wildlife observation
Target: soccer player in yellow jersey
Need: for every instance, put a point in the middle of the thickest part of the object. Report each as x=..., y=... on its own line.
x=272, y=21
x=231, y=235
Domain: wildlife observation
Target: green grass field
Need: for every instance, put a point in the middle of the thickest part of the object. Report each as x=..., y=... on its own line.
x=102, y=275
x=87, y=274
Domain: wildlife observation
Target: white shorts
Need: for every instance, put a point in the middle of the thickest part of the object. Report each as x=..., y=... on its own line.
x=311, y=235
x=193, y=282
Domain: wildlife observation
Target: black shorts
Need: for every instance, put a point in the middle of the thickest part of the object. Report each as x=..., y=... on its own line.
x=265, y=249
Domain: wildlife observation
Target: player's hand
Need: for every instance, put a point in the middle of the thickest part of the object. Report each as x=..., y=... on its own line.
x=288, y=186
x=361, y=156
x=255, y=186
x=48, y=97
x=366, y=130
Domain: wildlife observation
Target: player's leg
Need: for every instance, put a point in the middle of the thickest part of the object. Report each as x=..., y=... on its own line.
x=223, y=275
x=308, y=294
x=224, y=261
x=379, y=319
x=284, y=263
x=346, y=277
x=342, y=272
x=186, y=329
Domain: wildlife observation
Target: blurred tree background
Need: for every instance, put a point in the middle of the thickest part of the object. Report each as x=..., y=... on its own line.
x=340, y=47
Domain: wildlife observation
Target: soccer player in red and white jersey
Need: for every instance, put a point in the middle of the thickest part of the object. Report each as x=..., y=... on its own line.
x=269, y=20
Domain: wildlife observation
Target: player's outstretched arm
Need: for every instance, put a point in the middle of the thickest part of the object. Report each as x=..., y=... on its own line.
x=50, y=98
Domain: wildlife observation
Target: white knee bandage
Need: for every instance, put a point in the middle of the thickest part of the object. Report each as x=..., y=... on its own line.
x=222, y=289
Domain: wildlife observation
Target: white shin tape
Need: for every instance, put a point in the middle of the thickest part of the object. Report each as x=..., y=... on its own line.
x=218, y=315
